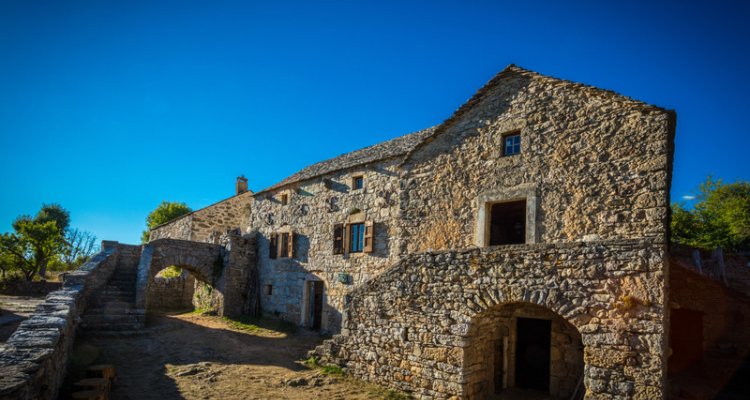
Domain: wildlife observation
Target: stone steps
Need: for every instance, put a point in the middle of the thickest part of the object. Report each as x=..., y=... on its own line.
x=113, y=309
x=105, y=319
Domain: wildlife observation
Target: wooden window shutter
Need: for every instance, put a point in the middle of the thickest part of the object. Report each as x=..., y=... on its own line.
x=273, y=246
x=283, y=245
x=369, y=227
x=346, y=239
x=338, y=239
x=290, y=250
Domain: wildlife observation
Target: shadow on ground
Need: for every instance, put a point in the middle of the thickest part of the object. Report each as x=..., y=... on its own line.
x=195, y=356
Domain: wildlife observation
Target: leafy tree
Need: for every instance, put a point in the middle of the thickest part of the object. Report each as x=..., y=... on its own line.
x=33, y=245
x=8, y=264
x=721, y=217
x=44, y=241
x=54, y=212
x=165, y=212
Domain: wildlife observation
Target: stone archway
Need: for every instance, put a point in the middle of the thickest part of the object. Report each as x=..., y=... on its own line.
x=203, y=261
x=525, y=348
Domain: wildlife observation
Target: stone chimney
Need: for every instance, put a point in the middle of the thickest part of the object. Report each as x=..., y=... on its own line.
x=241, y=185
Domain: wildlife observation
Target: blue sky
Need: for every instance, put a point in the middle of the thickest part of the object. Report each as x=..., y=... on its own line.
x=108, y=108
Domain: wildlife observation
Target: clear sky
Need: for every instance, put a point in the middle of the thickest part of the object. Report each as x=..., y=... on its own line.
x=110, y=107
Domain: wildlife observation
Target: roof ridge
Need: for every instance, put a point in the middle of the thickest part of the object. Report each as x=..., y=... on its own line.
x=391, y=148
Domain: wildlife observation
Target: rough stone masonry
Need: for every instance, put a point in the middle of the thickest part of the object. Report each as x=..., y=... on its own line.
x=519, y=244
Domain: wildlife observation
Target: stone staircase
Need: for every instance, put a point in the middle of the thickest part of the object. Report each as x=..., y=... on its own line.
x=113, y=308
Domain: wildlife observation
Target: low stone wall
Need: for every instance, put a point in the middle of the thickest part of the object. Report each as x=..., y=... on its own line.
x=175, y=293
x=417, y=327
x=34, y=359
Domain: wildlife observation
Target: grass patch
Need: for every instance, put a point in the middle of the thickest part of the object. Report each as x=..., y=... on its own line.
x=170, y=272
x=202, y=311
x=332, y=370
x=241, y=325
x=373, y=389
x=328, y=369
x=255, y=324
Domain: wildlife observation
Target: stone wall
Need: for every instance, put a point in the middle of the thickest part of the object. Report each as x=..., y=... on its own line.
x=174, y=293
x=593, y=165
x=34, y=359
x=209, y=223
x=229, y=269
x=725, y=312
x=415, y=327
x=313, y=208
x=494, y=350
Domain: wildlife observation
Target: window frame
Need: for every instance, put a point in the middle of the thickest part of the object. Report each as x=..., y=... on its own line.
x=483, y=203
x=514, y=145
x=523, y=216
x=358, y=182
x=358, y=239
x=281, y=245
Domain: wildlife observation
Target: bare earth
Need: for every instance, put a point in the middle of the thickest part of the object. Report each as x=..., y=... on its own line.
x=191, y=356
x=13, y=310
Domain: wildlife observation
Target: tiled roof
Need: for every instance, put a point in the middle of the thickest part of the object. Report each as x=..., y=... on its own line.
x=406, y=145
x=381, y=151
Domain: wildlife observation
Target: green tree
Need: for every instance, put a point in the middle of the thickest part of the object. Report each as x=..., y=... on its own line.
x=33, y=245
x=165, y=212
x=721, y=217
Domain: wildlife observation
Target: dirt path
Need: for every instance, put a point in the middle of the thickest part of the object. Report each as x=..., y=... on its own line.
x=13, y=310
x=192, y=356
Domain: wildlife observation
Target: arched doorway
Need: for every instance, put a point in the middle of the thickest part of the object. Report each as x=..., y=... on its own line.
x=172, y=289
x=180, y=287
x=522, y=350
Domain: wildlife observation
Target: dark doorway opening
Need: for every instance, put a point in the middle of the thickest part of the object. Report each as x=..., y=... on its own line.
x=533, y=353
x=315, y=291
x=508, y=223
x=686, y=338
x=498, y=367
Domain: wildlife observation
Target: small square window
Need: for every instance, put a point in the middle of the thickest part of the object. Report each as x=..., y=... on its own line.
x=269, y=290
x=358, y=182
x=512, y=144
x=284, y=199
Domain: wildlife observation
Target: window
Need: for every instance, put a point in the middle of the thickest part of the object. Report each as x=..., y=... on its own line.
x=508, y=223
x=284, y=199
x=356, y=238
x=358, y=182
x=512, y=144
x=281, y=245
x=269, y=290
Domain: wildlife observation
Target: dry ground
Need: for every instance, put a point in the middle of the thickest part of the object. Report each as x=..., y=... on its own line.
x=193, y=356
x=13, y=310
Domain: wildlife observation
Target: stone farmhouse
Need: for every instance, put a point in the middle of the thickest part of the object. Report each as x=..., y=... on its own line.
x=520, y=243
